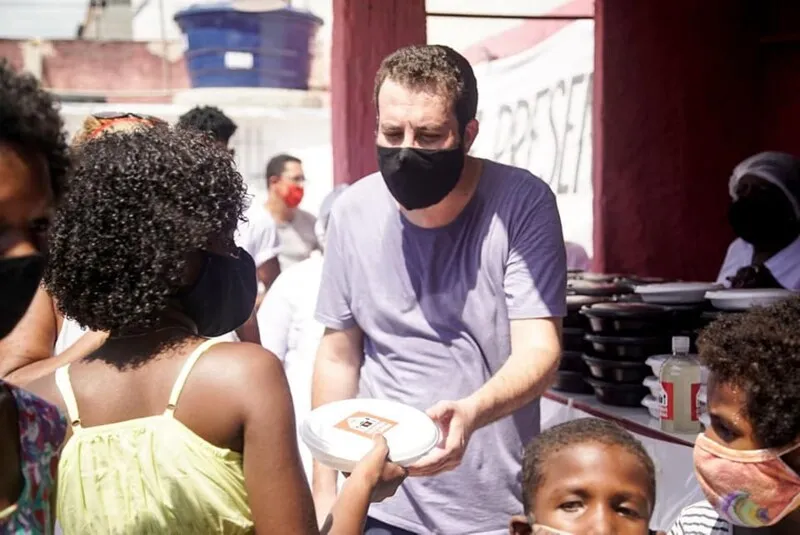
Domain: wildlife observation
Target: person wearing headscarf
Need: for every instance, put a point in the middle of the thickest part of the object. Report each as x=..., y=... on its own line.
x=765, y=215
x=287, y=325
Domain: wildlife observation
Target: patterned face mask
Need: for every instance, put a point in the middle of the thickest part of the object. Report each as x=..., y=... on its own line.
x=751, y=488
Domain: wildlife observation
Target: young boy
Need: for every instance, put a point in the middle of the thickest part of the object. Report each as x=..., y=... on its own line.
x=586, y=476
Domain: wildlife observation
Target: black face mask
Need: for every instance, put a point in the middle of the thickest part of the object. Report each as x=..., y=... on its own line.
x=764, y=220
x=418, y=178
x=19, y=279
x=224, y=295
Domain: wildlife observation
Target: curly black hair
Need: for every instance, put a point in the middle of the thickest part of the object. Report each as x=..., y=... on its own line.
x=210, y=120
x=29, y=119
x=139, y=202
x=759, y=351
x=580, y=431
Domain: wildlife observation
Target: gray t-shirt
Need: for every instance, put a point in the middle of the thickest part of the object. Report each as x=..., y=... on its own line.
x=435, y=305
x=297, y=239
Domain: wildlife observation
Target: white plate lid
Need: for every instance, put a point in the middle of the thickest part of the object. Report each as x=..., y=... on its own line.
x=345, y=429
x=746, y=293
x=676, y=287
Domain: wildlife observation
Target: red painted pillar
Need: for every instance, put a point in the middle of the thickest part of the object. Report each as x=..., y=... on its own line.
x=676, y=95
x=364, y=32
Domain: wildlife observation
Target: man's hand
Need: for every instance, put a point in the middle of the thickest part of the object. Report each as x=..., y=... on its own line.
x=456, y=421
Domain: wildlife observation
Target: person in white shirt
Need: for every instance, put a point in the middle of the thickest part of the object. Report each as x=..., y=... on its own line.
x=286, y=183
x=287, y=325
x=765, y=215
x=747, y=461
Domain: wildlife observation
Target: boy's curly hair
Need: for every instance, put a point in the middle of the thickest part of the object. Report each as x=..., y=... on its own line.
x=759, y=351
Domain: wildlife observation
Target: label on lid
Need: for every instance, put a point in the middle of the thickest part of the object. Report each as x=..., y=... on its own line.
x=365, y=424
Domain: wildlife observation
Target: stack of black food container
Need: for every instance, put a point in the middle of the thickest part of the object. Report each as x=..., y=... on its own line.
x=609, y=334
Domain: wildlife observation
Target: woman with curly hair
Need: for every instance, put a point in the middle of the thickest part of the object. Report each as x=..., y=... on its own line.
x=172, y=432
x=748, y=461
x=33, y=160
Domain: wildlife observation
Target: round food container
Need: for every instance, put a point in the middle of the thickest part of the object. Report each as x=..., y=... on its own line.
x=572, y=339
x=571, y=382
x=572, y=361
x=653, y=406
x=598, y=289
x=675, y=293
x=575, y=303
x=341, y=433
x=628, y=347
x=617, y=371
x=745, y=299
x=621, y=395
x=628, y=318
x=654, y=385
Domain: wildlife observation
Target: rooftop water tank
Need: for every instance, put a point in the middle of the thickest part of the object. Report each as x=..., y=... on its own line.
x=232, y=48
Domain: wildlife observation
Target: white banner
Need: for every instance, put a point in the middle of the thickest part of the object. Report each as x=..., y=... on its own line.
x=535, y=112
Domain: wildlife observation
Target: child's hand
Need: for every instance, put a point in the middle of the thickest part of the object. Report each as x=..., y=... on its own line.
x=384, y=476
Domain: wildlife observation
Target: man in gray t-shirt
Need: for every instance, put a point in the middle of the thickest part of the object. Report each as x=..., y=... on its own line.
x=443, y=287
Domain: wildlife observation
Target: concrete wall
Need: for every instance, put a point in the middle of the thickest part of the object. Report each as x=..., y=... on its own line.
x=125, y=71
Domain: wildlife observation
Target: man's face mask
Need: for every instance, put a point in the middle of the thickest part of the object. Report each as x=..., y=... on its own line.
x=419, y=178
x=19, y=280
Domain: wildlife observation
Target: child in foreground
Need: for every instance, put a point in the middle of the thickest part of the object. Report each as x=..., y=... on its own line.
x=584, y=477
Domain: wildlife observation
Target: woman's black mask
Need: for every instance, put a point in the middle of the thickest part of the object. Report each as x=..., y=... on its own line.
x=224, y=295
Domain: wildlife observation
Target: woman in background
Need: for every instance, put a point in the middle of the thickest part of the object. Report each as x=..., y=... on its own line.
x=765, y=215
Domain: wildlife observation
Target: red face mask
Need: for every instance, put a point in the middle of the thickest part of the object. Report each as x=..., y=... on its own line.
x=292, y=195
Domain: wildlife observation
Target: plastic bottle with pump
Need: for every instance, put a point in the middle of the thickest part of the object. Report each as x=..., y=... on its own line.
x=681, y=379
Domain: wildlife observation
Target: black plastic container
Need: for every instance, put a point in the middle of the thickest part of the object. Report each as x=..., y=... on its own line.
x=620, y=395
x=571, y=382
x=617, y=371
x=598, y=289
x=628, y=318
x=572, y=361
x=573, y=339
x=628, y=347
x=575, y=303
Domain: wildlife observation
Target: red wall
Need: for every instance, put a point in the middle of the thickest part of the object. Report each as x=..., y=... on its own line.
x=779, y=58
x=677, y=94
x=364, y=32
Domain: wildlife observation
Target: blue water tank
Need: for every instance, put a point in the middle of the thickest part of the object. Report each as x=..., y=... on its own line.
x=232, y=48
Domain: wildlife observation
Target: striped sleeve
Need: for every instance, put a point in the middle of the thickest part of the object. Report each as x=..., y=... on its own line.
x=700, y=519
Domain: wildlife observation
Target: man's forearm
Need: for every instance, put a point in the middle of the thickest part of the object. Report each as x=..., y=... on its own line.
x=334, y=379
x=519, y=381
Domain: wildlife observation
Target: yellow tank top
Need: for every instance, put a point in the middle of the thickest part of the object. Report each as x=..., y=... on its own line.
x=148, y=475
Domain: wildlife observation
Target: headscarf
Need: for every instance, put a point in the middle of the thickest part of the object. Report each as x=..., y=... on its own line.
x=105, y=122
x=778, y=168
